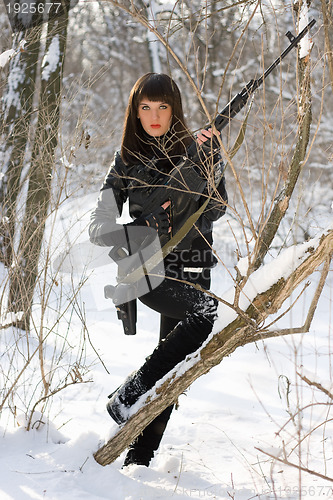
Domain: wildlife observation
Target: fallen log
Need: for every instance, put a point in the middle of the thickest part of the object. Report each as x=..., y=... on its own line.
x=262, y=294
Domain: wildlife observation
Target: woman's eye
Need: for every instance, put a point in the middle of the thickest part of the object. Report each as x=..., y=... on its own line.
x=147, y=108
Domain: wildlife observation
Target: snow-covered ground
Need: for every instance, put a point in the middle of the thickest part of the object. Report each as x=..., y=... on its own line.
x=211, y=445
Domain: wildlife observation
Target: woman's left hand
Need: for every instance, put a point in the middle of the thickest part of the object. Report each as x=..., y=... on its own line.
x=204, y=135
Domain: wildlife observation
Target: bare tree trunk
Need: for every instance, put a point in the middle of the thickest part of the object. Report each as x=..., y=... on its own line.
x=152, y=42
x=17, y=113
x=244, y=329
x=24, y=272
x=273, y=220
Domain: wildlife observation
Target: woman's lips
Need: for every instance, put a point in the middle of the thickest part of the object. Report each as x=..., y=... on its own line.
x=155, y=125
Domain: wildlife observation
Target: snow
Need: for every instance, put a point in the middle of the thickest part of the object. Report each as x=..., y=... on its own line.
x=5, y=57
x=10, y=318
x=243, y=265
x=15, y=78
x=51, y=58
x=12, y=96
x=306, y=42
x=66, y=163
x=210, y=448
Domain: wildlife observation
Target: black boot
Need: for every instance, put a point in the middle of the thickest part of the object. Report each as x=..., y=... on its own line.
x=137, y=455
x=123, y=398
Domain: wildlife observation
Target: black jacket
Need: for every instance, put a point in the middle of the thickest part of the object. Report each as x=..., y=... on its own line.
x=123, y=181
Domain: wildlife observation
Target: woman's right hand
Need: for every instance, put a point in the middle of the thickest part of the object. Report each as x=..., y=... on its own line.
x=204, y=135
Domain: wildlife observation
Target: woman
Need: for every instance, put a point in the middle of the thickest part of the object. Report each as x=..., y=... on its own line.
x=155, y=129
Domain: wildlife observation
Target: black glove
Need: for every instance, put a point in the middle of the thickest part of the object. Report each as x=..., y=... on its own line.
x=159, y=220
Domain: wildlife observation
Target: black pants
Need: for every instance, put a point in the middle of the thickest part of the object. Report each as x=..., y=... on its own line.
x=176, y=302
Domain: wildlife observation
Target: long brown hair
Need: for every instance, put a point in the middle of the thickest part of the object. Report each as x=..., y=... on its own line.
x=154, y=87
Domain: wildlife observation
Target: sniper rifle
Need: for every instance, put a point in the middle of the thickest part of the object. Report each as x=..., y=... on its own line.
x=186, y=178
x=183, y=177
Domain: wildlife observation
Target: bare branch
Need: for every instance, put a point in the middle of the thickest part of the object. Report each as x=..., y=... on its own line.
x=306, y=327
x=315, y=384
x=296, y=466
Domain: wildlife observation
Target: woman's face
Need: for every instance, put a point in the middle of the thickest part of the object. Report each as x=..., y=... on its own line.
x=155, y=117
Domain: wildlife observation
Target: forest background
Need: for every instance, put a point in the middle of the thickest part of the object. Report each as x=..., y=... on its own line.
x=222, y=45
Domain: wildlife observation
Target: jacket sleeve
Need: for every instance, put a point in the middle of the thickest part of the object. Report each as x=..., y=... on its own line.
x=103, y=229
x=217, y=205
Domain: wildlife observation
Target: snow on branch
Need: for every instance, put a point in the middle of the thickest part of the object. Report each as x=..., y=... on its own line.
x=5, y=57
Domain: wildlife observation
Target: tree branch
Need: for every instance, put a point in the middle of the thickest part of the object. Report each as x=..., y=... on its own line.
x=315, y=384
x=306, y=327
x=296, y=466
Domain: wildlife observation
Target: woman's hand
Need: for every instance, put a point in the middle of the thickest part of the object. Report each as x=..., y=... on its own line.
x=165, y=206
x=204, y=135
x=159, y=219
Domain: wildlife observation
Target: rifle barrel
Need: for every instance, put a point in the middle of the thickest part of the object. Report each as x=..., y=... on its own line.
x=240, y=99
x=294, y=42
